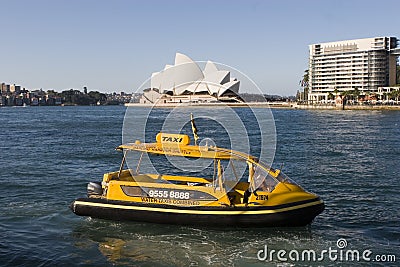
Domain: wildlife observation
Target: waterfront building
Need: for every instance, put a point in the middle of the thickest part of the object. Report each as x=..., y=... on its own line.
x=3, y=88
x=34, y=101
x=186, y=82
x=363, y=65
x=386, y=92
x=19, y=101
x=11, y=100
x=17, y=89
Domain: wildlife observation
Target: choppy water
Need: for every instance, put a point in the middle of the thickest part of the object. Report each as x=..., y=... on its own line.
x=48, y=154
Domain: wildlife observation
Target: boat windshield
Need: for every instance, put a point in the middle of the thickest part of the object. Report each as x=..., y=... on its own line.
x=285, y=179
x=263, y=180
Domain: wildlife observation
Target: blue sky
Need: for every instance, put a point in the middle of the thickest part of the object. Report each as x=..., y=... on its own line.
x=116, y=45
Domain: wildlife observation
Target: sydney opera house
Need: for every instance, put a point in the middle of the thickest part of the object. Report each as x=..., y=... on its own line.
x=186, y=82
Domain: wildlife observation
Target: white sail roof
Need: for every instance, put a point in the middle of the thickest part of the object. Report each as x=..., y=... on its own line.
x=185, y=76
x=210, y=68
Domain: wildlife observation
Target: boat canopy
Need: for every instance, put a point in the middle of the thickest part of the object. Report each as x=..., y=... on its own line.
x=260, y=175
x=178, y=145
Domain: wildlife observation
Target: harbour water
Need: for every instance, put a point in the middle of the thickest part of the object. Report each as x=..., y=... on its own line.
x=48, y=154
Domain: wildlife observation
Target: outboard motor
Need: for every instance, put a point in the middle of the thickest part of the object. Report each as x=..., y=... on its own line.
x=94, y=189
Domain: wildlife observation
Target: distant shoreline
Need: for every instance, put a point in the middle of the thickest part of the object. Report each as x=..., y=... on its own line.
x=272, y=105
x=286, y=105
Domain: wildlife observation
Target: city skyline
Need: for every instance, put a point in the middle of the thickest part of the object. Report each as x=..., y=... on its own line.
x=115, y=46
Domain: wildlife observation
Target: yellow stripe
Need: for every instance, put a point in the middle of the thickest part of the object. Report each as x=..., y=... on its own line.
x=214, y=212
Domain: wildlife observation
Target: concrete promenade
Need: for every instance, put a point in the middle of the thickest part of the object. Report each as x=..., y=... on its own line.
x=347, y=107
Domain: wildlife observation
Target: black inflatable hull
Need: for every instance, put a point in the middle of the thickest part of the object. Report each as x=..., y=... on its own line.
x=293, y=214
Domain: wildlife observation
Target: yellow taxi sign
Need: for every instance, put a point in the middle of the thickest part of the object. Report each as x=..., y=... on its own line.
x=178, y=139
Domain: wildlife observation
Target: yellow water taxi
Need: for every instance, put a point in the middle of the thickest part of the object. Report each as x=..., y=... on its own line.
x=265, y=197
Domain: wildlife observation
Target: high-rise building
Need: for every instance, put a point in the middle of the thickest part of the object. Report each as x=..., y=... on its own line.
x=17, y=89
x=3, y=88
x=360, y=64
